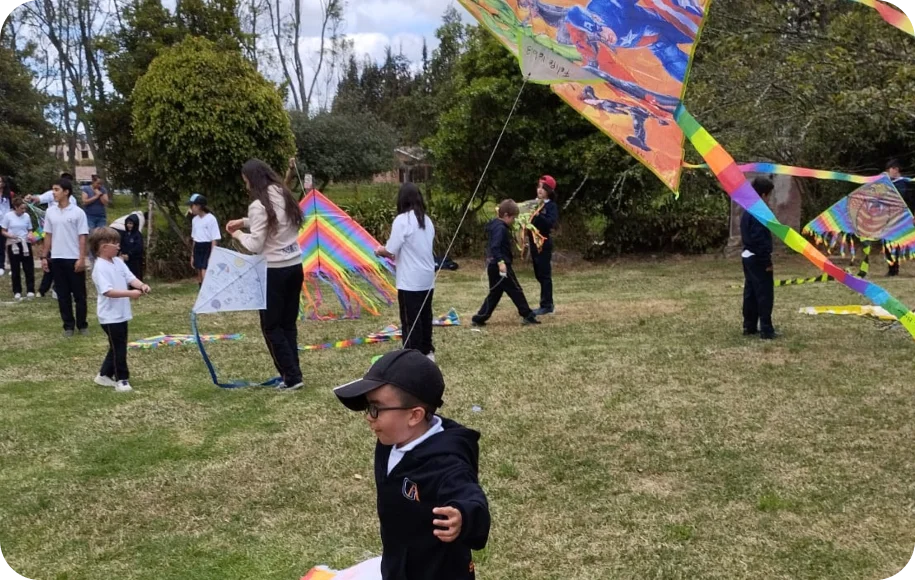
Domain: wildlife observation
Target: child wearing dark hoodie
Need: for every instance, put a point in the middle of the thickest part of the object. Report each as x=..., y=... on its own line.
x=502, y=278
x=431, y=507
x=132, y=245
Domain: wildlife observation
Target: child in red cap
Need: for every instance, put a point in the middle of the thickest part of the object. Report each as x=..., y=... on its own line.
x=545, y=219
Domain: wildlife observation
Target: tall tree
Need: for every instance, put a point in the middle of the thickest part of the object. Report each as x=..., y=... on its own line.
x=26, y=135
x=197, y=130
x=72, y=27
x=147, y=29
x=286, y=28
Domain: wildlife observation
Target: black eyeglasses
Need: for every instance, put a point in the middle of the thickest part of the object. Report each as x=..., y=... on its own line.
x=372, y=409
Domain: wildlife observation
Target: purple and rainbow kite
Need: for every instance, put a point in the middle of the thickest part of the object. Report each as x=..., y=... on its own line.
x=872, y=213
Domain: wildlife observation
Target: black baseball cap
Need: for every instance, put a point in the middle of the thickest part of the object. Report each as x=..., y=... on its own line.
x=407, y=369
x=198, y=199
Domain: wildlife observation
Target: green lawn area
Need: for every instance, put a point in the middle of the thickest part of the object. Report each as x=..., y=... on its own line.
x=634, y=434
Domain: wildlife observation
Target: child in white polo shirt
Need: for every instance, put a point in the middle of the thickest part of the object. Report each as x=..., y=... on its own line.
x=116, y=285
x=66, y=228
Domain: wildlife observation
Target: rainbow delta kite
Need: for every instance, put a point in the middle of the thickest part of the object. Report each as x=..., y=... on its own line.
x=623, y=64
x=872, y=213
x=340, y=253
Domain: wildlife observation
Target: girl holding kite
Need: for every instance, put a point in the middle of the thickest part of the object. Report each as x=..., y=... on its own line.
x=410, y=245
x=273, y=221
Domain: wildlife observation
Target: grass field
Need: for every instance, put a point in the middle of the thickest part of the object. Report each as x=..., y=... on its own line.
x=634, y=434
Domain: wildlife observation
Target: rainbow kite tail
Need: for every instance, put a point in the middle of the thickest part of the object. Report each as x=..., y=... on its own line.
x=740, y=190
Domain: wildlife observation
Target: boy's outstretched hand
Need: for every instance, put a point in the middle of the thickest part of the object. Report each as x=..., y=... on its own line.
x=451, y=523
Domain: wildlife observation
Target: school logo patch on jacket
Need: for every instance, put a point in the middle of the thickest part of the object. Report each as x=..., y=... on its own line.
x=410, y=490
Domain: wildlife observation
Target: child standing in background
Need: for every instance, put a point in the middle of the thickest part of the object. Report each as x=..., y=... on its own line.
x=132, y=245
x=205, y=232
x=115, y=285
x=502, y=278
x=14, y=230
x=65, y=229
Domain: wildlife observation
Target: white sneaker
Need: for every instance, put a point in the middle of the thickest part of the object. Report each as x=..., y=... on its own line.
x=30, y=295
x=431, y=356
x=54, y=294
x=2, y=271
x=105, y=381
x=17, y=296
x=123, y=387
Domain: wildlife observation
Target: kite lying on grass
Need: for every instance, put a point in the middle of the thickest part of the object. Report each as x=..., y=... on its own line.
x=368, y=570
x=854, y=310
x=340, y=253
x=623, y=64
x=386, y=334
x=180, y=340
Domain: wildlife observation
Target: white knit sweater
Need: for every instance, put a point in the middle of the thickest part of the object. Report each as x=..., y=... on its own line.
x=280, y=248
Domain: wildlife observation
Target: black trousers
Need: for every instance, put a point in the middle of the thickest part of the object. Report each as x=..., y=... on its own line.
x=71, y=287
x=115, y=364
x=278, y=321
x=543, y=270
x=498, y=286
x=47, y=279
x=27, y=263
x=758, y=294
x=417, y=316
x=135, y=266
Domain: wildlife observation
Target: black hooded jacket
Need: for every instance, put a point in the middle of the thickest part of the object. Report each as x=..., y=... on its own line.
x=132, y=240
x=500, y=242
x=441, y=471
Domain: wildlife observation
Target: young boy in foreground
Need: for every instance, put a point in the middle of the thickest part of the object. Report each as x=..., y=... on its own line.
x=431, y=507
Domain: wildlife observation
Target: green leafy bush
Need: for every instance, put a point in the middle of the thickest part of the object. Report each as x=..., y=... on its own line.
x=200, y=113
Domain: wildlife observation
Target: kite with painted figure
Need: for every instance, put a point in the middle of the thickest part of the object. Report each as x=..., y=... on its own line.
x=624, y=64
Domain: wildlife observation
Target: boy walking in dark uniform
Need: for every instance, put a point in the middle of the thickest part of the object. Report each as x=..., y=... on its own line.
x=759, y=282
x=502, y=278
x=431, y=507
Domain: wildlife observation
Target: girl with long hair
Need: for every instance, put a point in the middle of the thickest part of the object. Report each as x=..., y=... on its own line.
x=410, y=246
x=273, y=224
x=7, y=191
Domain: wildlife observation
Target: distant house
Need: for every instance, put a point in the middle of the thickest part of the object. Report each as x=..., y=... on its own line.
x=84, y=163
x=409, y=165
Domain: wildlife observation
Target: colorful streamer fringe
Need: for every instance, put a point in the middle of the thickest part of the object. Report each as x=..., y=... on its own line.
x=36, y=235
x=890, y=15
x=179, y=340
x=854, y=310
x=793, y=171
x=386, y=334
x=339, y=252
x=737, y=187
x=528, y=211
x=873, y=213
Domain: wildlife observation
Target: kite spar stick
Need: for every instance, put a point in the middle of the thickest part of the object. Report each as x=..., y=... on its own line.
x=469, y=202
x=732, y=180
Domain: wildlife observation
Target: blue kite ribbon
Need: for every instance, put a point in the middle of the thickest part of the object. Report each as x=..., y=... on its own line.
x=206, y=359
